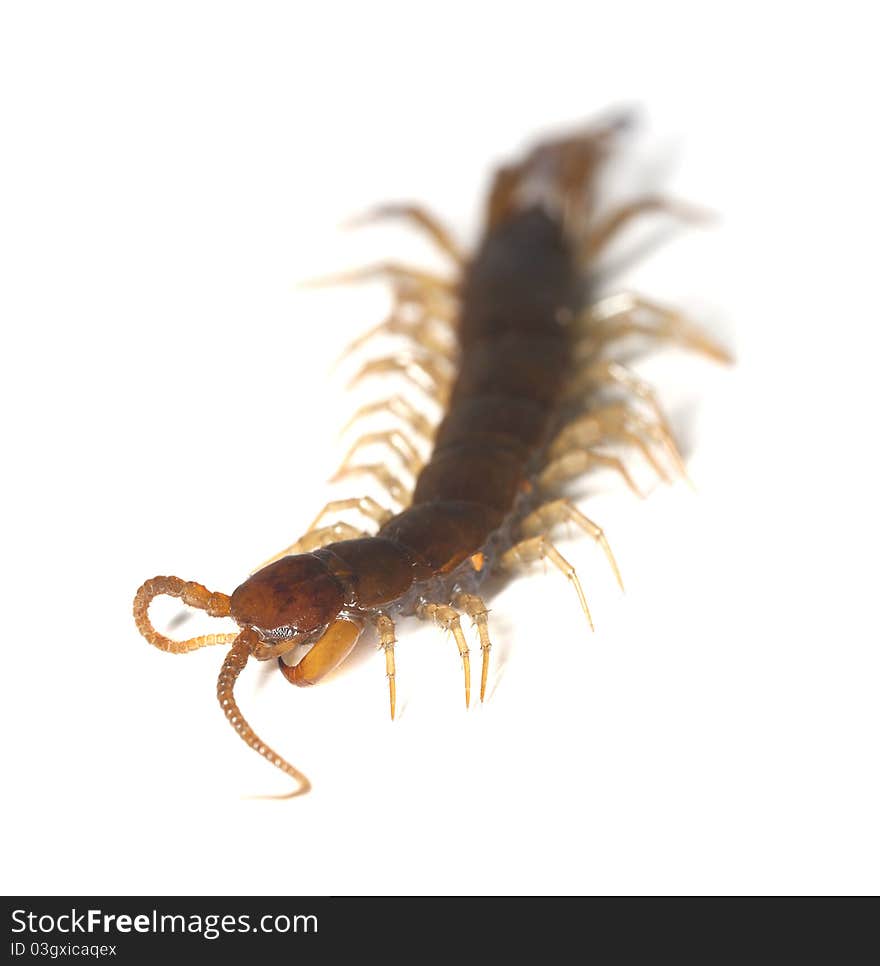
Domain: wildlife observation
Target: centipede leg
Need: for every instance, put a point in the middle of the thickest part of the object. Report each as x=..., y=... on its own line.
x=379, y=472
x=422, y=372
x=577, y=462
x=401, y=408
x=540, y=548
x=421, y=331
x=385, y=628
x=403, y=276
x=615, y=221
x=364, y=504
x=474, y=607
x=608, y=373
x=617, y=422
x=563, y=511
x=618, y=316
x=422, y=217
x=314, y=540
x=397, y=441
x=449, y=619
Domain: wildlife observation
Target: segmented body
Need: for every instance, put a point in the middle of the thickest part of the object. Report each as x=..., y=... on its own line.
x=526, y=410
x=518, y=297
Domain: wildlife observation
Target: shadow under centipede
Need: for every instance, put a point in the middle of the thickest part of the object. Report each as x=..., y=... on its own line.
x=179, y=619
x=683, y=420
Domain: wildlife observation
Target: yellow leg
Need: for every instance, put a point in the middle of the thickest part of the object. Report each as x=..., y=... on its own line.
x=449, y=620
x=402, y=409
x=615, y=221
x=404, y=277
x=540, y=548
x=618, y=422
x=619, y=316
x=396, y=441
x=423, y=331
x=475, y=609
x=577, y=462
x=315, y=539
x=396, y=490
x=422, y=217
x=365, y=504
x=422, y=372
x=546, y=517
x=385, y=628
x=608, y=373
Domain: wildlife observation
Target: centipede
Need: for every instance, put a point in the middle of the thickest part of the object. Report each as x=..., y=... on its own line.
x=518, y=343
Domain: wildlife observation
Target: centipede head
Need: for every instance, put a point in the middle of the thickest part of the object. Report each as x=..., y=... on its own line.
x=293, y=599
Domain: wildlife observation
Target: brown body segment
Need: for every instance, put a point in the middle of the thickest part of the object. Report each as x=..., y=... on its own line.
x=523, y=279
x=441, y=534
x=475, y=469
x=374, y=570
x=515, y=366
x=500, y=417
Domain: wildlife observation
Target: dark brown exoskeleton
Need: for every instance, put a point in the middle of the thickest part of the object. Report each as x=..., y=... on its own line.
x=525, y=382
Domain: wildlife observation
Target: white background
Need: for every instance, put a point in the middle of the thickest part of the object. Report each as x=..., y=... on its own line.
x=169, y=172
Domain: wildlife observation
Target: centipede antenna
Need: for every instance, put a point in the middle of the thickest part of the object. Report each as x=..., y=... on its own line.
x=233, y=664
x=193, y=595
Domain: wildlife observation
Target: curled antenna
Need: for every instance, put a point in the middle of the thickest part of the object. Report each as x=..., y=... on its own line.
x=192, y=594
